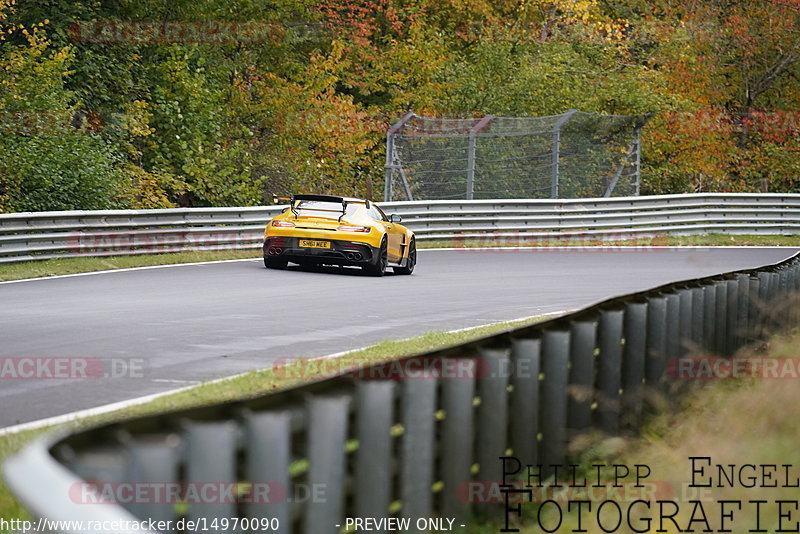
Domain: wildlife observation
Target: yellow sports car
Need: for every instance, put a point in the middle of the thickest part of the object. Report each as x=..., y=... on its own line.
x=323, y=229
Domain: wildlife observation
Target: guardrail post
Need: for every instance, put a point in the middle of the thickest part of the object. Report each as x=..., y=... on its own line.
x=609, y=371
x=721, y=317
x=269, y=453
x=633, y=365
x=153, y=460
x=492, y=420
x=755, y=309
x=555, y=365
x=583, y=340
x=686, y=297
x=698, y=318
x=211, y=458
x=374, y=417
x=794, y=294
x=673, y=327
x=782, y=314
x=765, y=281
x=327, y=432
x=416, y=457
x=732, y=323
x=458, y=434
x=656, y=340
x=104, y=465
x=525, y=403
x=775, y=305
x=743, y=316
x=709, y=317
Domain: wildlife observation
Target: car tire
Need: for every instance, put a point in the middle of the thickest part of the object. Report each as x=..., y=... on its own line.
x=412, y=259
x=381, y=260
x=274, y=263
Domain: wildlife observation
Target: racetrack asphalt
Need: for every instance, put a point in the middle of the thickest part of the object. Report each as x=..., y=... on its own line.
x=198, y=322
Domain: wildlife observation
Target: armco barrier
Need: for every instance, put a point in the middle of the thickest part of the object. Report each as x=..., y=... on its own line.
x=27, y=236
x=373, y=443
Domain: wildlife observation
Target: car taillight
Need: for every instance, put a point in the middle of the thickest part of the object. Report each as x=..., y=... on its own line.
x=283, y=224
x=350, y=228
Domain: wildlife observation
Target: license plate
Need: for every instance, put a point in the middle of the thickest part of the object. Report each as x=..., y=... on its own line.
x=314, y=244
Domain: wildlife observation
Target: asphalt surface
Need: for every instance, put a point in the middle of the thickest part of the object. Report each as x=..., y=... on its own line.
x=170, y=327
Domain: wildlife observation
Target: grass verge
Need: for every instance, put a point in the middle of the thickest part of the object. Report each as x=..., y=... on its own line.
x=35, y=269
x=736, y=423
x=706, y=240
x=54, y=267
x=253, y=384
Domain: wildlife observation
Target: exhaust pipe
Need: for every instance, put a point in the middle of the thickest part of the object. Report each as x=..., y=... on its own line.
x=349, y=256
x=357, y=256
x=274, y=251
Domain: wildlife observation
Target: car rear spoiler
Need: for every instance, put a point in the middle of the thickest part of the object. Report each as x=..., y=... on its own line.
x=319, y=198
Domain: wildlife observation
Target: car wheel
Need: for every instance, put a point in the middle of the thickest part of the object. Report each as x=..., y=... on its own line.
x=412, y=259
x=274, y=263
x=377, y=268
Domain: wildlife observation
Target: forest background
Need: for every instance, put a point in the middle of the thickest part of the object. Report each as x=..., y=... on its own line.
x=156, y=104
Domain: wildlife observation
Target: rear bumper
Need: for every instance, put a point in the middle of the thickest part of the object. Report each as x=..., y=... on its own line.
x=340, y=253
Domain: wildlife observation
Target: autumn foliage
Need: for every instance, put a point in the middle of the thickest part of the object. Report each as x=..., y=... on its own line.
x=297, y=95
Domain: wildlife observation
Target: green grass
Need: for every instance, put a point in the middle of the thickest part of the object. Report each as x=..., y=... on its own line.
x=35, y=269
x=707, y=240
x=249, y=385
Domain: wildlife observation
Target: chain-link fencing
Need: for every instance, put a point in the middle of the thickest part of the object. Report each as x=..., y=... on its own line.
x=573, y=155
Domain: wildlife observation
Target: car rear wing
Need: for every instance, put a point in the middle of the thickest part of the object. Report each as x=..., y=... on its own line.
x=320, y=198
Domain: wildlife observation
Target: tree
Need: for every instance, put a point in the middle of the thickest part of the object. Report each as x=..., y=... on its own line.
x=52, y=157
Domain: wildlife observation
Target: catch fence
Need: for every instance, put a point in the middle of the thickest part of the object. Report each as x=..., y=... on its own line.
x=573, y=155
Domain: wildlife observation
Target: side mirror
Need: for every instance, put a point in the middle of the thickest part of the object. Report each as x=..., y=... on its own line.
x=395, y=218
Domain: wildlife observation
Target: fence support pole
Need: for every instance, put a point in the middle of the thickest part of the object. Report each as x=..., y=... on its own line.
x=387, y=187
x=555, y=152
x=387, y=184
x=638, y=170
x=480, y=125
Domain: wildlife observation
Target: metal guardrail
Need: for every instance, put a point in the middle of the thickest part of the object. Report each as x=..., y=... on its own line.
x=30, y=236
x=378, y=446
